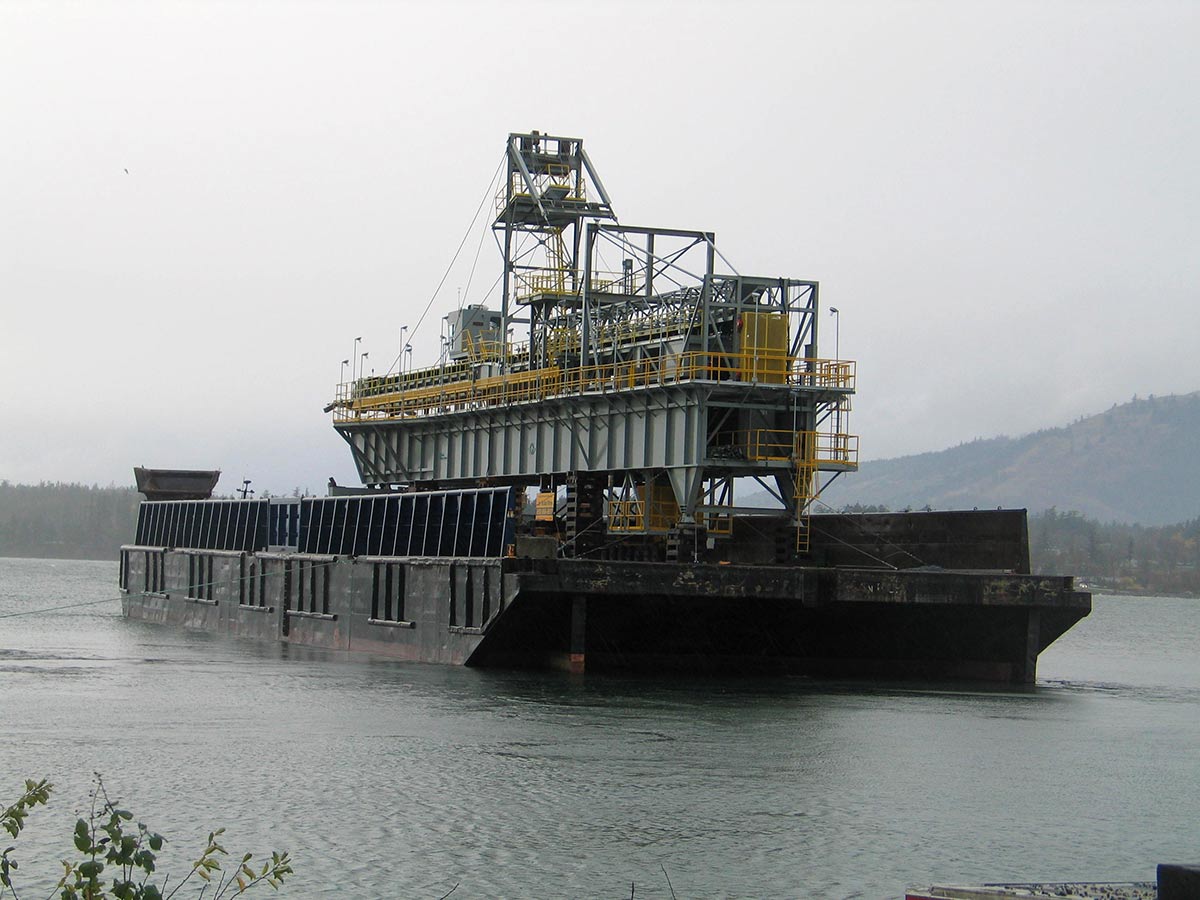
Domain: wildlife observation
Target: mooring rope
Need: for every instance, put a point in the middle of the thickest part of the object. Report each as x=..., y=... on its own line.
x=31, y=612
x=232, y=583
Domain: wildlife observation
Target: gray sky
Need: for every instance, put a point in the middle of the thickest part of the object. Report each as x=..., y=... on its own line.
x=1001, y=198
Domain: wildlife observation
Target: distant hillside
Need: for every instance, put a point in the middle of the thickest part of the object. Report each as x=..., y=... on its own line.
x=1138, y=462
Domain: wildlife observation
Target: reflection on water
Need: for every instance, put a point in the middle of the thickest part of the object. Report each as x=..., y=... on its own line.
x=393, y=779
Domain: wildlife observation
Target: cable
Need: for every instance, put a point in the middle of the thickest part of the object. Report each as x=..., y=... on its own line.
x=486, y=194
x=471, y=275
x=231, y=582
x=864, y=530
x=30, y=612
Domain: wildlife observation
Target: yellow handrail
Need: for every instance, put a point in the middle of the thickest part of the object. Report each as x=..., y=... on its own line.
x=781, y=444
x=570, y=281
x=445, y=390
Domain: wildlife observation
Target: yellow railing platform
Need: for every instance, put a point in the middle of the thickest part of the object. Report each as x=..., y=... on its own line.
x=771, y=444
x=380, y=399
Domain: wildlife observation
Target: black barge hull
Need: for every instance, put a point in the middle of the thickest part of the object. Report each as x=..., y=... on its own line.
x=607, y=614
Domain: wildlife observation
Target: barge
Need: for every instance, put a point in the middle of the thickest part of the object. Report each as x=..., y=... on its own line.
x=616, y=468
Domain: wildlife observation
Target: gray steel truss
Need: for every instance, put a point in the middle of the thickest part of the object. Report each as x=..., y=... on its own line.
x=677, y=430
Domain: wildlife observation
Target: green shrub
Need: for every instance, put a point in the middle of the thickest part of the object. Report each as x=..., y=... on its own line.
x=109, y=846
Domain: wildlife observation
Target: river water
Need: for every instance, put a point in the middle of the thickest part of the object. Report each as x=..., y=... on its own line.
x=388, y=779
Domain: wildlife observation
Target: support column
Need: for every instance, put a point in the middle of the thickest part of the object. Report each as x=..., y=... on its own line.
x=577, y=659
x=585, y=507
x=1033, y=645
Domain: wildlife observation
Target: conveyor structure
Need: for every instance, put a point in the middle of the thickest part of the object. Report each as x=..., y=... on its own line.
x=622, y=374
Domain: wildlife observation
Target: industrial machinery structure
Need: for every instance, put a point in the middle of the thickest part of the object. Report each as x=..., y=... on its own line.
x=636, y=387
x=645, y=388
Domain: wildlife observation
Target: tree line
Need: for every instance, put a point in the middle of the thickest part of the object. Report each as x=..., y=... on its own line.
x=1163, y=559
x=66, y=521
x=75, y=521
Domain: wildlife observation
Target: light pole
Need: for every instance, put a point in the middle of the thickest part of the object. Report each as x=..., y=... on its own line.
x=354, y=355
x=403, y=329
x=362, y=363
x=837, y=355
x=408, y=353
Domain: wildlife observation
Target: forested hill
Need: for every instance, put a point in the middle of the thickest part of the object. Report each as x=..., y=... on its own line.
x=1138, y=462
x=66, y=521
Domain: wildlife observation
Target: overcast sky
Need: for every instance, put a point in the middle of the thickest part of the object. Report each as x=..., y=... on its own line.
x=1001, y=198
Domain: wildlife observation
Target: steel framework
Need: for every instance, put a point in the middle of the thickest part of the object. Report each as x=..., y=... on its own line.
x=654, y=371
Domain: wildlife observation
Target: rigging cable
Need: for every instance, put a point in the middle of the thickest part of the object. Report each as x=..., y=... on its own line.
x=867, y=532
x=232, y=583
x=488, y=192
x=30, y=612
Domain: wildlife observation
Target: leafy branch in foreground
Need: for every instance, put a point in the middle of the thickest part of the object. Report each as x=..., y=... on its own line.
x=108, y=842
x=12, y=820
